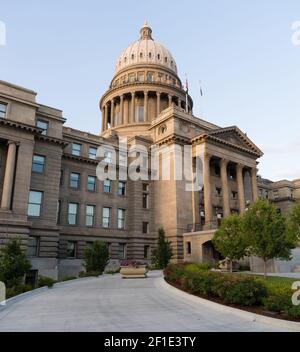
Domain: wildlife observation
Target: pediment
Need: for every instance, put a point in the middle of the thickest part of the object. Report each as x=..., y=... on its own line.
x=235, y=137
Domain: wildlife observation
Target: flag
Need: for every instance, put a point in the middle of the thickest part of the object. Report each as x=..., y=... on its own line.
x=186, y=83
x=201, y=91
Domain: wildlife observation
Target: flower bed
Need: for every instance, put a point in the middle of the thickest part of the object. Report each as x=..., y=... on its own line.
x=267, y=297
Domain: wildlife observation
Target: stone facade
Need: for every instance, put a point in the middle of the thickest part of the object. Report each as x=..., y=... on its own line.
x=50, y=195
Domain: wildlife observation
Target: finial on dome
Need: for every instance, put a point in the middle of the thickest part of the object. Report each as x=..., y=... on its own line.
x=146, y=31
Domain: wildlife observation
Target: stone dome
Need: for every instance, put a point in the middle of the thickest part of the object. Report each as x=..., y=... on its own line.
x=146, y=51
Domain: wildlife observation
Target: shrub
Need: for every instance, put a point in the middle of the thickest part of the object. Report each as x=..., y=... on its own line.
x=90, y=274
x=17, y=290
x=13, y=264
x=194, y=268
x=96, y=257
x=279, y=300
x=245, y=292
x=45, y=281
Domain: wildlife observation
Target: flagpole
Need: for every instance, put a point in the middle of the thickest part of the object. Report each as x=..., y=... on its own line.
x=186, y=94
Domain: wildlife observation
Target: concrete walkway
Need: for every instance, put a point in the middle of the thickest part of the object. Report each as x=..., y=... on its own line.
x=111, y=304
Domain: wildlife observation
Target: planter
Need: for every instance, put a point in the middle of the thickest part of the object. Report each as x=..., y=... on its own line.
x=133, y=273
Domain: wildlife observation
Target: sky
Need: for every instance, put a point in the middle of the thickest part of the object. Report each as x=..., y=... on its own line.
x=241, y=51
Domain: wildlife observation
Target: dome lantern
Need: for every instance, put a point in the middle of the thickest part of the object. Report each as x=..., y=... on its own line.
x=146, y=32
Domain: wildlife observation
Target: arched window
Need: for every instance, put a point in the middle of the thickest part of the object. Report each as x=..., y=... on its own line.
x=158, y=56
x=132, y=57
x=150, y=55
x=125, y=58
x=166, y=59
x=141, y=55
x=162, y=129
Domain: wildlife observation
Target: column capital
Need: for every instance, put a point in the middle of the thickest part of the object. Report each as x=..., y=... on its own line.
x=240, y=166
x=158, y=94
x=132, y=94
x=122, y=96
x=224, y=162
x=13, y=142
x=207, y=156
x=146, y=92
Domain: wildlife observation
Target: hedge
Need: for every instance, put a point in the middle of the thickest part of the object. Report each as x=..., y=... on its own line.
x=232, y=289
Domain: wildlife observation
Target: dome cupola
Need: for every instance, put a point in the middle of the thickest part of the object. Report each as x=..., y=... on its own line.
x=146, y=51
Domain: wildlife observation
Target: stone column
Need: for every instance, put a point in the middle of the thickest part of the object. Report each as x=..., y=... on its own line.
x=207, y=191
x=241, y=190
x=170, y=100
x=103, y=117
x=158, y=104
x=112, y=113
x=254, y=184
x=106, y=117
x=132, y=107
x=179, y=103
x=225, y=190
x=9, y=176
x=146, y=117
x=122, y=109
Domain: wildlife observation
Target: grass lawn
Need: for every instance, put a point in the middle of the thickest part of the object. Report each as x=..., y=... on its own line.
x=274, y=283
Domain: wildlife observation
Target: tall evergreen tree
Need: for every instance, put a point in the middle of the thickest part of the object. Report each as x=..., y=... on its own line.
x=162, y=255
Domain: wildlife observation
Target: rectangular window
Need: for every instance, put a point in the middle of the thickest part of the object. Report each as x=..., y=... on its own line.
x=234, y=195
x=33, y=246
x=61, y=181
x=106, y=186
x=58, y=211
x=121, y=219
x=218, y=191
x=72, y=213
x=145, y=200
x=106, y=218
x=43, y=125
x=145, y=227
x=122, y=251
x=3, y=108
x=34, y=204
x=89, y=219
x=71, y=249
x=146, y=252
x=38, y=163
x=188, y=248
x=122, y=189
x=108, y=157
x=91, y=183
x=92, y=153
x=74, y=180
x=76, y=149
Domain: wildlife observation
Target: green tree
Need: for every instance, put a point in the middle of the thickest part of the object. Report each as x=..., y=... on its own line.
x=266, y=233
x=13, y=263
x=230, y=240
x=162, y=255
x=96, y=257
x=294, y=223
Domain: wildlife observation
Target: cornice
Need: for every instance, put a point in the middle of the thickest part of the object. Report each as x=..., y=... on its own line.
x=21, y=125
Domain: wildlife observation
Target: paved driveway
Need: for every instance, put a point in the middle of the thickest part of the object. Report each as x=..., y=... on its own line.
x=112, y=304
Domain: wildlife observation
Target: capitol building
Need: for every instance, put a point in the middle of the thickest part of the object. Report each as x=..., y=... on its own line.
x=51, y=197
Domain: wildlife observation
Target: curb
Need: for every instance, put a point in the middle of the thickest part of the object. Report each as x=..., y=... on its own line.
x=279, y=323
x=10, y=301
